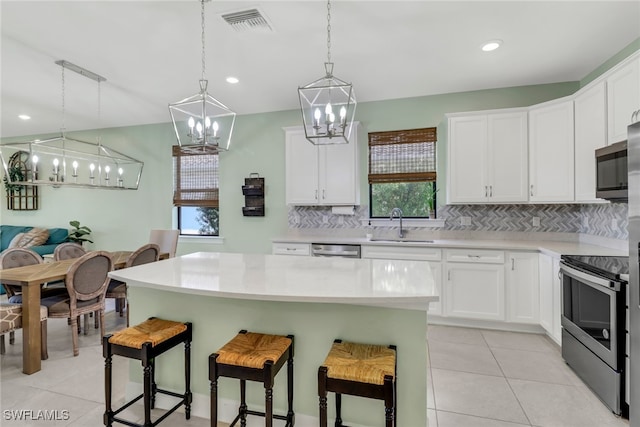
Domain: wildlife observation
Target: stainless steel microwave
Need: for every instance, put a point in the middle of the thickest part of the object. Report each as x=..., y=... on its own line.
x=612, y=178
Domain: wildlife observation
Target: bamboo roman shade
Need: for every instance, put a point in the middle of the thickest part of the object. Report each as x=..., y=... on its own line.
x=195, y=178
x=402, y=156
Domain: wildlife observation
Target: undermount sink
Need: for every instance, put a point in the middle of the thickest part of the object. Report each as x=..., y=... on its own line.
x=398, y=239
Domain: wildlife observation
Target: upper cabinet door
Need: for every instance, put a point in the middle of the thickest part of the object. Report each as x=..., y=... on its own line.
x=508, y=158
x=338, y=173
x=321, y=174
x=551, y=153
x=467, y=160
x=301, y=164
x=590, y=134
x=623, y=96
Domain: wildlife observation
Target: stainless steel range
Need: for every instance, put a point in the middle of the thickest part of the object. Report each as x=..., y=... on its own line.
x=593, y=323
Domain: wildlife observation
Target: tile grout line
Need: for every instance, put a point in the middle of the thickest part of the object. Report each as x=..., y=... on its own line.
x=506, y=379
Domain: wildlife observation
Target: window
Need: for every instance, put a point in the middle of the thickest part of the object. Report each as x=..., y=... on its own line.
x=195, y=191
x=402, y=172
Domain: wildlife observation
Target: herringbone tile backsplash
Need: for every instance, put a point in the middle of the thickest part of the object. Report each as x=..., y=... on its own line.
x=605, y=220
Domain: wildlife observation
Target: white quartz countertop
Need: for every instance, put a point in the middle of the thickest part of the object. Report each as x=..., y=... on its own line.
x=549, y=247
x=384, y=283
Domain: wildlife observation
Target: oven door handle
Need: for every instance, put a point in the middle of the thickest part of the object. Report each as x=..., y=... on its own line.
x=591, y=280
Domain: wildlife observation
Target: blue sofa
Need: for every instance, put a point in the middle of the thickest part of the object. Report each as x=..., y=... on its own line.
x=56, y=236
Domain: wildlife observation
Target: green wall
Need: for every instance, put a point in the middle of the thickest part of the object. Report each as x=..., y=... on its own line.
x=122, y=220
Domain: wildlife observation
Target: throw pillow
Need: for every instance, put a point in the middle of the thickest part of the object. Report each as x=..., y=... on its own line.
x=34, y=237
x=14, y=242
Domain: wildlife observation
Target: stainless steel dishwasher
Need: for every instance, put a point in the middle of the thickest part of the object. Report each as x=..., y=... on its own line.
x=334, y=250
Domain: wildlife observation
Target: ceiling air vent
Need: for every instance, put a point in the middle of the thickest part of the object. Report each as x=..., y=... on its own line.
x=247, y=20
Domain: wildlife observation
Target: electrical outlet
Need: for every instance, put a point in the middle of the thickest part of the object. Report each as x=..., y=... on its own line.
x=536, y=221
x=465, y=220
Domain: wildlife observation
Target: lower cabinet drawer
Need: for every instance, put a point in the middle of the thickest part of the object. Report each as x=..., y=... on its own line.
x=475, y=255
x=302, y=249
x=395, y=252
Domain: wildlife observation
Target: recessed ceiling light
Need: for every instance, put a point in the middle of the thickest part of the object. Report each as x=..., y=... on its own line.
x=24, y=117
x=491, y=45
x=232, y=80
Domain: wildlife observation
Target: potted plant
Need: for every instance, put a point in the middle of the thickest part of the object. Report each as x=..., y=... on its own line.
x=15, y=174
x=79, y=234
x=431, y=199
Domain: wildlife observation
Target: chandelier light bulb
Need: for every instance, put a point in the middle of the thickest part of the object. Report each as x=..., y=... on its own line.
x=56, y=162
x=191, y=123
x=120, y=171
x=34, y=160
x=75, y=168
x=199, y=128
x=216, y=126
x=207, y=122
x=328, y=110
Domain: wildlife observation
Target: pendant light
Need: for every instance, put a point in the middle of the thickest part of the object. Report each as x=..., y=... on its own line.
x=201, y=122
x=64, y=161
x=328, y=104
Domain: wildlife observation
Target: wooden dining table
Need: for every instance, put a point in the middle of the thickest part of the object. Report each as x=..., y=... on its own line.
x=31, y=278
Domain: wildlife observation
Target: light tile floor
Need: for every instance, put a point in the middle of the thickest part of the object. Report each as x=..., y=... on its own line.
x=482, y=378
x=478, y=378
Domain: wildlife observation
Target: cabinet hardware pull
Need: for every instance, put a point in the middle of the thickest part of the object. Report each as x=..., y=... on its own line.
x=513, y=264
x=449, y=275
x=473, y=256
x=485, y=191
x=323, y=196
x=532, y=189
x=491, y=191
x=559, y=275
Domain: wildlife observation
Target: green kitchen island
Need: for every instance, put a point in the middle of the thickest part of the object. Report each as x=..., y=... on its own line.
x=315, y=299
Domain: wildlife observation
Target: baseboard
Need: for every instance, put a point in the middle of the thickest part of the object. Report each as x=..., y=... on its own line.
x=227, y=408
x=485, y=324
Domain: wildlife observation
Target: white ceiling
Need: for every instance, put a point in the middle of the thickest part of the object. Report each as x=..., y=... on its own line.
x=150, y=52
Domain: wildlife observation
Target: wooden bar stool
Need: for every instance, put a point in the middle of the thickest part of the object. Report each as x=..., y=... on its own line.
x=254, y=357
x=145, y=342
x=363, y=370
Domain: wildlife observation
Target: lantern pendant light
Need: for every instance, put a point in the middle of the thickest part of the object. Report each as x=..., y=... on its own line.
x=201, y=122
x=328, y=104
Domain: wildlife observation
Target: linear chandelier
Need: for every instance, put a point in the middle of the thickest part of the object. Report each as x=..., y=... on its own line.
x=328, y=104
x=62, y=161
x=201, y=122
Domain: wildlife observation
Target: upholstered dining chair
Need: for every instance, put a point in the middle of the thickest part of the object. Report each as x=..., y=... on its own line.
x=167, y=240
x=64, y=251
x=117, y=289
x=11, y=320
x=86, y=284
x=13, y=258
x=68, y=250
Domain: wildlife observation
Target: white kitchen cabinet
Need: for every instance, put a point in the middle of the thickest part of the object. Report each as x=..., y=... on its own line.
x=282, y=248
x=474, y=284
x=488, y=158
x=590, y=115
x=431, y=255
x=321, y=174
x=623, y=98
x=550, y=296
x=522, y=287
x=551, y=152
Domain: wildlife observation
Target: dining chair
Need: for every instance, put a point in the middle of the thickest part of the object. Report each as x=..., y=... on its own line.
x=86, y=282
x=68, y=250
x=167, y=240
x=117, y=289
x=64, y=251
x=22, y=257
x=11, y=320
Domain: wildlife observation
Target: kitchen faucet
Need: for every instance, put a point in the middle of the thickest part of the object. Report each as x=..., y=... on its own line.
x=398, y=212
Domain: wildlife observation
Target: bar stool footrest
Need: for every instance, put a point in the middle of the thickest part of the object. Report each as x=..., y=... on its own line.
x=260, y=414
